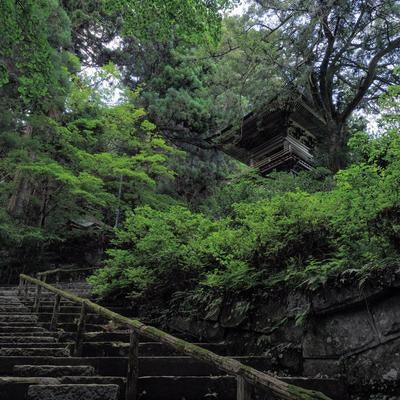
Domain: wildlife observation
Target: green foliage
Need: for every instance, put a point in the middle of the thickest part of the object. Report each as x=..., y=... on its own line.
x=297, y=231
x=191, y=20
x=155, y=247
x=33, y=35
x=94, y=161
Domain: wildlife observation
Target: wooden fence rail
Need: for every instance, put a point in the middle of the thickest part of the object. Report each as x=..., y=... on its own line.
x=247, y=377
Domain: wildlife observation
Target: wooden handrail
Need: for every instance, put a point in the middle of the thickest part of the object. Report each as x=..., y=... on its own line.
x=243, y=373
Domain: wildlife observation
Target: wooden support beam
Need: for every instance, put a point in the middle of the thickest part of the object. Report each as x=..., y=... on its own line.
x=133, y=367
x=244, y=389
x=36, y=302
x=80, y=332
x=20, y=286
x=56, y=310
x=26, y=288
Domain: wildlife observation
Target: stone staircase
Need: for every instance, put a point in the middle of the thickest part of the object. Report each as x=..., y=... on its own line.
x=36, y=363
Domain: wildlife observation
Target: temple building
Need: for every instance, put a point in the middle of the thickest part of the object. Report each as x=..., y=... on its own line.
x=275, y=137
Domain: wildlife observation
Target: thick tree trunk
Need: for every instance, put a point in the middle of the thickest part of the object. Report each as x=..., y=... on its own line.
x=20, y=196
x=22, y=189
x=334, y=146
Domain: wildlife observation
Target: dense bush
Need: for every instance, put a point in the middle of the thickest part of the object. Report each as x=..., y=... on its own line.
x=257, y=233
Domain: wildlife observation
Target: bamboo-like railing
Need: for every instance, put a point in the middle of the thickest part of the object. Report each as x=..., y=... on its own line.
x=247, y=377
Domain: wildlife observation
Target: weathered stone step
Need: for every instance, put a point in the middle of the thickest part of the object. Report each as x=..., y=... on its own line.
x=99, y=336
x=39, y=345
x=10, y=308
x=54, y=370
x=34, y=351
x=71, y=326
x=20, y=329
x=16, y=388
x=31, y=333
x=18, y=323
x=117, y=366
x=72, y=317
x=10, y=302
x=73, y=392
x=63, y=309
x=18, y=318
x=188, y=387
x=104, y=349
x=107, y=380
x=150, y=388
x=27, y=339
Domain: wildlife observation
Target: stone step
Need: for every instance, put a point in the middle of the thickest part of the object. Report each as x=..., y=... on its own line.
x=34, y=351
x=18, y=318
x=72, y=317
x=117, y=366
x=104, y=349
x=81, y=387
x=27, y=339
x=99, y=336
x=63, y=309
x=108, y=380
x=188, y=387
x=16, y=388
x=13, y=308
x=40, y=345
x=18, y=323
x=73, y=392
x=10, y=302
x=71, y=327
x=224, y=387
x=31, y=334
x=54, y=370
x=20, y=329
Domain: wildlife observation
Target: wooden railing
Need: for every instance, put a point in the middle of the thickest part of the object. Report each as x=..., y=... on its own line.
x=247, y=377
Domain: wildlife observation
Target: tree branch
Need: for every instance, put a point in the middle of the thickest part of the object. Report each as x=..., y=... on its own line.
x=368, y=79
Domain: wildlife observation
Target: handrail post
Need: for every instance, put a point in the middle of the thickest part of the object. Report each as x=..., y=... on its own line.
x=26, y=289
x=133, y=367
x=80, y=332
x=36, y=303
x=244, y=389
x=56, y=310
x=21, y=284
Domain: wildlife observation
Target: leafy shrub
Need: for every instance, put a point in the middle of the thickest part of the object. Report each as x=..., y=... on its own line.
x=261, y=232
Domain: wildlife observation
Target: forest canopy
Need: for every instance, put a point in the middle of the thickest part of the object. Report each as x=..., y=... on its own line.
x=106, y=113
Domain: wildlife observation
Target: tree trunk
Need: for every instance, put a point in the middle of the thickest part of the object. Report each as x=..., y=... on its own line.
x=20, y=196
x=22, y=188
x=334, y=146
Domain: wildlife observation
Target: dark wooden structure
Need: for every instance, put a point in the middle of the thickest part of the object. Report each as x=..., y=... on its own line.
x=274, y=138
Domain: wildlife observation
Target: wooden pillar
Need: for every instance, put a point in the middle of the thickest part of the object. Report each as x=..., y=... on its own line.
x=244, y=389
x=36, y=303
x=21, y=284
x=56, y=310
x=26, y=288
x=133, y=368
x=80, y=332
